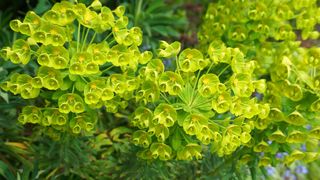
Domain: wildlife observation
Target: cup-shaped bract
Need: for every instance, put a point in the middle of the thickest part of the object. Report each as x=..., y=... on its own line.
x=222, y=102
x=71, y=102
x=208, y=85
x=142, y=117
x=154, y=69
x=169, y=50
x=171, y=82
x=261, y=147
x=149, y=92
x=56, y=57
x=296, y=118
x=161, y=151
x=205, y=135
x=165, y=114
x=264, y=161
x=189, y=60
x=160, y=131
x=64, y=13
x=189, y=151
x=294, y=92
x=276, y=115
x=141, y=138
x=278, y=136
x=99, y=52
x=315, y=133
x=30, y=114
x=242, y=85
x=193, y=123
x=52, y=78
x=296, y=137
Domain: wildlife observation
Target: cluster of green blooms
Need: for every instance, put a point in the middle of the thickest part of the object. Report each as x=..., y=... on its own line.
x=268, y=32
x=71, y=64
x=250, y=87
x=195, y=105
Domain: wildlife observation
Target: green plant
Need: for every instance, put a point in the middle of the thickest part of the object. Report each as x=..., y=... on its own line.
x=217, y=102
x=69, y=74
x=271, y=32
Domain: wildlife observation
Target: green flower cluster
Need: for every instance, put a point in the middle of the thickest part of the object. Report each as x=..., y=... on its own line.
x=270, y=32
x=252, y=85
x=71, y=64
x=184, y=110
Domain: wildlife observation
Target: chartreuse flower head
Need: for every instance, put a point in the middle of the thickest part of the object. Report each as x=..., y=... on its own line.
x=168, y=50
x=164, y=114
x=242, y=85
x=208, y=85
x=142, y=138
x=171, y=82
x=189, y=151
x=52, y=116
x=24, y=85
x=97, y=90
x=56, y=57
x=194, y=123
x=278, y=136
x=19, y=53
x=142, y=117
x=296, y=118
x=296, y=136
x=315, y=133
x=191, y=60
x=88, y=120
x=52, y=78
x=71, y=102
x=160, y=131
x=161, y=150
x=149, y=92
x=222, y=102
x=30, y=114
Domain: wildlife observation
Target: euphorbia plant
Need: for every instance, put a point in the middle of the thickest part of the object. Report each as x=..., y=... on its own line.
x=211, y=99
x=270, y=32
x=195, y=103
x=71, y=64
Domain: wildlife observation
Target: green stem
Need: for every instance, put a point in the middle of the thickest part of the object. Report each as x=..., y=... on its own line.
x=85, y=39
x=107, y=37
x=211, y=65
x=84, y=79
x=165, y=98
x=35, y=52
x=78, y=38
x=194, y=93
x=108, y=69
x=14, y=37
x=93, y=37
x=111, y=42
x=223, y=70
x=177, y=64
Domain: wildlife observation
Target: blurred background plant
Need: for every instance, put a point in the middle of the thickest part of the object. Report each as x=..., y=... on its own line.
x=14, y=148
